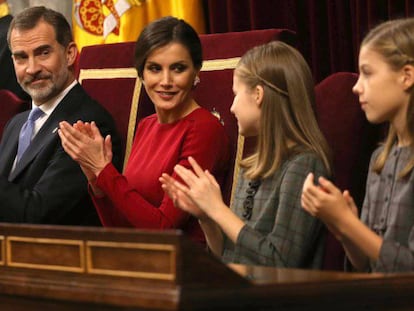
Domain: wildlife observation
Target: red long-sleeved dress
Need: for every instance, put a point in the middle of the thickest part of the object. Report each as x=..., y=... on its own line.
x=136, y=199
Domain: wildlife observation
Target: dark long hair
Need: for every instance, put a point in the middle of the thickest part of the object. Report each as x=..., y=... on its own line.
x=164, y=31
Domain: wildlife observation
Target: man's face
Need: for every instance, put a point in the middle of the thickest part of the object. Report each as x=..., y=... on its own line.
x=41, y=63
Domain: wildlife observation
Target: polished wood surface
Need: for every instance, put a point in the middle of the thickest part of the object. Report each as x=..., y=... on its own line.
x=69, y=268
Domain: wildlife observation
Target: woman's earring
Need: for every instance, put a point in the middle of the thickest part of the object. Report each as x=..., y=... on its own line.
x=196, y=81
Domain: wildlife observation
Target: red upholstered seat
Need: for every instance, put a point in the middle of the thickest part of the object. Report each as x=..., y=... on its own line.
x=108, y=75
x=352, y=139
x=10, y=105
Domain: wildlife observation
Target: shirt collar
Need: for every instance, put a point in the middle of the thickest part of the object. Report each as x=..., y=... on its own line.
x=50, y=105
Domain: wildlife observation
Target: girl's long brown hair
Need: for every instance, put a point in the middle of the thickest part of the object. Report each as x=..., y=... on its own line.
x=287, y=113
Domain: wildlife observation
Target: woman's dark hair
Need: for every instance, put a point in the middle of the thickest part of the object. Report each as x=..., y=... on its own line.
x=162, y=32
x=30, y=17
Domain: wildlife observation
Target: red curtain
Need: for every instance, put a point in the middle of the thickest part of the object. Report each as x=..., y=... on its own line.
x=328, y=31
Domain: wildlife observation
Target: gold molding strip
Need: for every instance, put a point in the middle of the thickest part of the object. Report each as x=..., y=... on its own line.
x=130, y=72
x=107, y=73
x=132, y=120
x=130, y=273
x=2, y=250
x=220, y=64
x=10, y=262
x=238, y=158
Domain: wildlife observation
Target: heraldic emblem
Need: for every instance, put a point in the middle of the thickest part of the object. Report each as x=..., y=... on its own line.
x=101, y=17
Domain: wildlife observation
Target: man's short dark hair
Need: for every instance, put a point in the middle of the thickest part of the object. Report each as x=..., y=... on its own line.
x=30, y=17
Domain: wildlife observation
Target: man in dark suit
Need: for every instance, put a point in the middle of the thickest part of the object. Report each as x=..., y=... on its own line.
x=43, y=184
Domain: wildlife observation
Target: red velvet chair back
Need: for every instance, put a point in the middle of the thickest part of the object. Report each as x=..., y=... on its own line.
x=10, y=105
x=352, y=139
x=107, y=73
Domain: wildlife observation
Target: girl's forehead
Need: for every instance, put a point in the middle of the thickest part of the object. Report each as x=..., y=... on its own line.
x=368, y=55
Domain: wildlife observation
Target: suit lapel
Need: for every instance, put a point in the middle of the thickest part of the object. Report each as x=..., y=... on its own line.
x=9, y=142
x=48, y=132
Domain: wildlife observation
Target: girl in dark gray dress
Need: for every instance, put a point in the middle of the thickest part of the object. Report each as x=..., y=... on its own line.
x=265, y=225
x=383, y=239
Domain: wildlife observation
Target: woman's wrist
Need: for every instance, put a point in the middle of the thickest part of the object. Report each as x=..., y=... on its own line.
x=97, y=192
x=98, y=170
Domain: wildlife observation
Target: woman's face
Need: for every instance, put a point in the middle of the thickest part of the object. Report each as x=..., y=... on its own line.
x=245, y=108
x=168, y=77
x=381, y=90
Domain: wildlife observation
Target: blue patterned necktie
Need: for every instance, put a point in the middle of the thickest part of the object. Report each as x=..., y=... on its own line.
x=26, y=132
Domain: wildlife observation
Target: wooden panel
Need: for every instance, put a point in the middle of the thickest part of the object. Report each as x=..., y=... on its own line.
x=2, y=253
x=139, y=260
x=46, y=254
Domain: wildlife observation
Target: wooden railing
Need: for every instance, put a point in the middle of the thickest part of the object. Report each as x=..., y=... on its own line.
x=77, y=268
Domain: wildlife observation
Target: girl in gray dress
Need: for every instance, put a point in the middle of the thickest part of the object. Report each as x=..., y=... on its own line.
x=383, y=240
x=266, y=225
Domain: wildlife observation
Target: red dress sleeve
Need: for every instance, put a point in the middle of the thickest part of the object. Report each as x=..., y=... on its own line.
x=205, y=140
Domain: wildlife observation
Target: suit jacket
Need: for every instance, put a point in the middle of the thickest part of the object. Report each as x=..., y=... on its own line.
x=47, y=186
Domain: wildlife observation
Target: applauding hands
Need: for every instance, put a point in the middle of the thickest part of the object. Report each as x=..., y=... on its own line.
x=199, y=194
x=85, y=144
x=328, y=203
